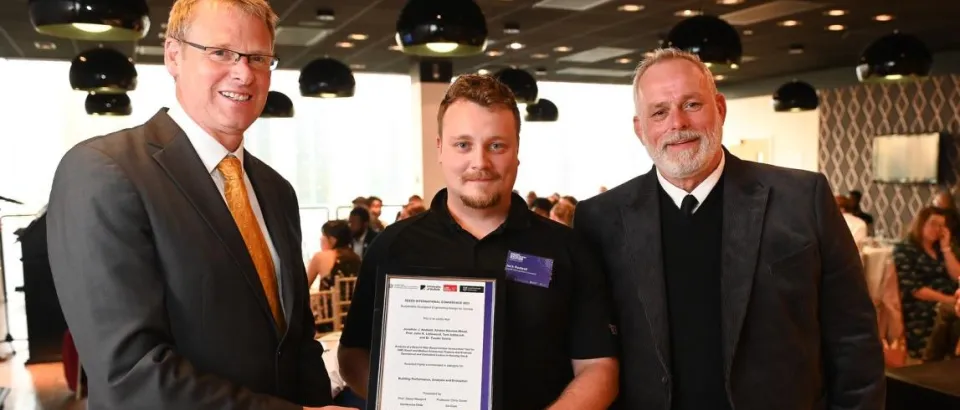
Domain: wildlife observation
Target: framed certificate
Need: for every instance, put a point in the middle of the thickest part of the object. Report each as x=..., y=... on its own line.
x=437, y=335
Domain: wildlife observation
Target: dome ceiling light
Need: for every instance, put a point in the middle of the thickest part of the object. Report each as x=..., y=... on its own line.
x=447, y=28
x=523, y=85
x=278, y=106
x=895, y=57
x=543, y=110
x=327, y=78
x=795, y=96
x=92, y=20
x=103, y=70
x=108, y=104
x=715, y=41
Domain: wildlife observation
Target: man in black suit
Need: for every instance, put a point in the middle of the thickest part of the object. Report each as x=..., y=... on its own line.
x=737, y=284
x=176, y=253
x=363, y=233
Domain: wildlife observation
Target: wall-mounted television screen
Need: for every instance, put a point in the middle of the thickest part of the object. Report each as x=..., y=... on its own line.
x=906, y=159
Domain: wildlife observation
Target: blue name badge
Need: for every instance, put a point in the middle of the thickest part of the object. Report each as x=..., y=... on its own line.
x=529, y=269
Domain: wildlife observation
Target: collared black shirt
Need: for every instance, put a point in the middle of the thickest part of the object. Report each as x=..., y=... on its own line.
x=545, y=328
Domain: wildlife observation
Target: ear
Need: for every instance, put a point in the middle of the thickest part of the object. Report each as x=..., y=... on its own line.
x=722, y=107
x=172, y=57
x=439, y=148
x=638, y=127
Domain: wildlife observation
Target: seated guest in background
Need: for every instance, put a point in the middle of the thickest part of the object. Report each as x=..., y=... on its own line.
x=554, y=198
x=359, y=201
x=562, y=212
x=855, y=197
x=376, y=207
x=943, y=201
x=858, y=227
x=569, y=199
x=531, y=196
x=360, y=229
x=336, y=256
x=542, y=207
x=927, y=271
x=410, y=211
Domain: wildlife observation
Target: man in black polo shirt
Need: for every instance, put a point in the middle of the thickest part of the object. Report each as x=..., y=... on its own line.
x=559, y=351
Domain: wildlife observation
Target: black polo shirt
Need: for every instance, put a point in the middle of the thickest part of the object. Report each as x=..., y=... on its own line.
x=546, y=327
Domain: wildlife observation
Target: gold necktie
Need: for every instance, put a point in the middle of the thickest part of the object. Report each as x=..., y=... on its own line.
x=235, y=192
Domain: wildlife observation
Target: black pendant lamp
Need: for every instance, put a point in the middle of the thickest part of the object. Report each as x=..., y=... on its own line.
x=895, y=57
x=522, y=83
x=795, y=96
x=327, y=78
x=103, y=70
x=278, y=106
x=543, y=110
x=93, y=20
x=715, y=41
x=442, y=28
x=108, y=104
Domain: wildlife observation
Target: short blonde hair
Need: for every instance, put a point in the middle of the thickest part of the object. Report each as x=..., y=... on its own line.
x=181, y=15
x=483, y=90
x=665, y=54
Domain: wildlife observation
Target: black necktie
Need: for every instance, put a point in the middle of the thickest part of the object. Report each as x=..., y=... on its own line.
x=688, y=204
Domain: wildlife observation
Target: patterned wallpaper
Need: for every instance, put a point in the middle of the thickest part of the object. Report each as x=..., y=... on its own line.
x=851, y=116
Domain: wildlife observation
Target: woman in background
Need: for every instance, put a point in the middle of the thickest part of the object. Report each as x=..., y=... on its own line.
x=927, y=271
x=562, y=212
x=336, y=256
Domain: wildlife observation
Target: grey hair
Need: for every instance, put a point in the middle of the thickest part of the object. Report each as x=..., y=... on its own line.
x=666, y=54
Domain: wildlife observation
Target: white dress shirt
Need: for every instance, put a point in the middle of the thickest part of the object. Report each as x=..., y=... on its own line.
x=211, y=152
x=858, y=228
x=700, y=192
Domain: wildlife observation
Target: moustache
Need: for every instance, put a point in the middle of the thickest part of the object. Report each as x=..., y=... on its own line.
x=479, y=175
x=681, y=136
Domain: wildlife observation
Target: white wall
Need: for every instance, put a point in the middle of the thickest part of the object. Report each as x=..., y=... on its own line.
x=791, y=138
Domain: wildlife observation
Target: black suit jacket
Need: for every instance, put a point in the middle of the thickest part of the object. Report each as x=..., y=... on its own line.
x=799, y=330
x=157, y=286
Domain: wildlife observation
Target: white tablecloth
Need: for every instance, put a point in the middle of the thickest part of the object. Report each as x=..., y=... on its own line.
x=875, y=260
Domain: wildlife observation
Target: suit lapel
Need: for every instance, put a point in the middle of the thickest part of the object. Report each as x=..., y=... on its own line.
x=744, y=206
x=180, y=161
x=641, y=222
x=277, y=224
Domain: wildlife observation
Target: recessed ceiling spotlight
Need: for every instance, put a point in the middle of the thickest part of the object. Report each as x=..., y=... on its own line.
x=358, y=36
x=748, y=32
x=358, y=66
x=789, y=23
x=344, y=44
x=541, y=71
x=562, y=49
x=796, y=49
x=511, y=28
x=483, y=71
x=630, y=8
x=836, y=12
x=539, y=56
x=883, y=17
x=623, y=60
x=648, y=54
x=836, y=27
x=45, y=45
x=688, y=13
x=515, y=45
x=729, y=2
x=494, y=53
x=719, y=77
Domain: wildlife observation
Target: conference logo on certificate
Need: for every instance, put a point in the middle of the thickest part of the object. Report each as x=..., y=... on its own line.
x=436, y=343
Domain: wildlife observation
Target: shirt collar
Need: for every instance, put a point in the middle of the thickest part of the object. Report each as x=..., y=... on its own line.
x=210, y=150
x=700, y=192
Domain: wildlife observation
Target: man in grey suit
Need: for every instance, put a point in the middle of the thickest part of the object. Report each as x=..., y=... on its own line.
x=175, y=253
x=737, y=285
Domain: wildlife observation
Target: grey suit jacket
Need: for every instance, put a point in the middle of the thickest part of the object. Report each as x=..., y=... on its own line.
x=157, y=286
x=799, y=330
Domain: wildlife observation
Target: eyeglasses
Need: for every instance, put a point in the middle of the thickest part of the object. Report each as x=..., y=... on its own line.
x=227, y=56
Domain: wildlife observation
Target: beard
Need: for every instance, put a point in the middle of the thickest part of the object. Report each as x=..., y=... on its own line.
x=481, y=200
x=688, y=162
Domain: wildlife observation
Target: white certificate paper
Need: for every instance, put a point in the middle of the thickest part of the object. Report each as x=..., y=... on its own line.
x=437, y=348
